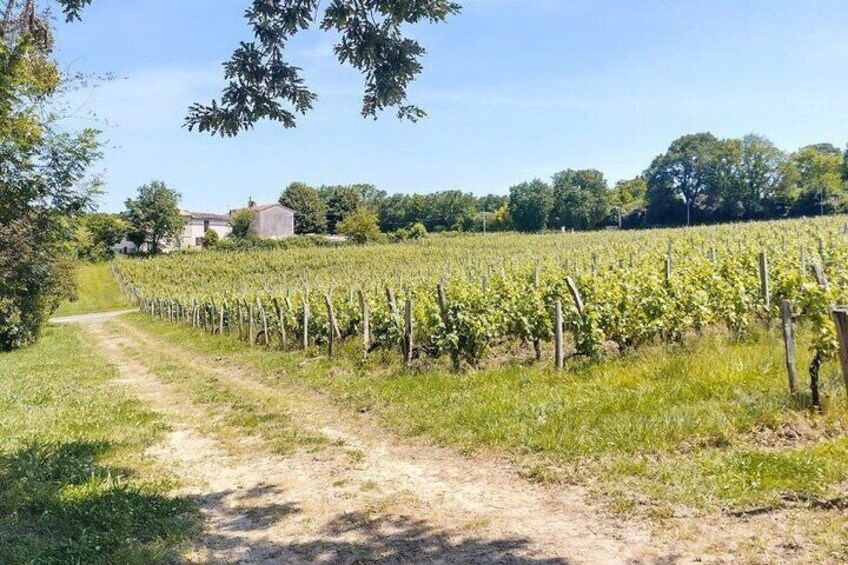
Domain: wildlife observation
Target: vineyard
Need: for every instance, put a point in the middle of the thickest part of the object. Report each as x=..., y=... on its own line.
x=558, y=295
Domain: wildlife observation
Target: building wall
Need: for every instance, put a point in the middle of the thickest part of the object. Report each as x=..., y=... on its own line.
x=275, y=223
x=193, y=231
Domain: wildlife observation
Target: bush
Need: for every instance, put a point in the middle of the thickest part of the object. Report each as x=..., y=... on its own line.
x=35, y=276
x=417, y=231
x=211, y=239
x=360, y=226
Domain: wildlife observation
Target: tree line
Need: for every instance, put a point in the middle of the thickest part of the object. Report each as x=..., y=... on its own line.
x=699, y=179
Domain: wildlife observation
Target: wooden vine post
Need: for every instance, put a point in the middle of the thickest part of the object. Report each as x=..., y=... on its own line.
x=390, y=297
x=251, y=329
x=818, y=360
x=305, y=324
x=266, y=338
x=575, y=295
x=240, y=320
x=445, y=314
x=366, y=322
x=281, y=320
x=558, y=339
x=765, y=289
x=331, y=316
x=408, y=344
x=789, y=344
x=840, y=318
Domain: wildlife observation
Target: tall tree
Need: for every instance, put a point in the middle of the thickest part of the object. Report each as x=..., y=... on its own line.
x=580, y=199
x=817, y=174
x=845, y=165
x=97, y=234
x=629, y=194
x=43, y=178
x=394, y=212
x=310, y=210
x=263, y=84
x=341, y=201
x=746, y=178
x=679, y=179
x=492, y=202
x=530, y=205
x=154, y=216
x=450, y=210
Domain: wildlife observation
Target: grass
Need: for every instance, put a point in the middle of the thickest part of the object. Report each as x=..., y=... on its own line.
x=234, y=411
x=98, y=292
x=75, y=486
x=708, y=425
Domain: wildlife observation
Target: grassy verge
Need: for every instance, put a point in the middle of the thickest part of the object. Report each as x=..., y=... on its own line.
x=98, y=292
x=75, y=486
x=706, y=425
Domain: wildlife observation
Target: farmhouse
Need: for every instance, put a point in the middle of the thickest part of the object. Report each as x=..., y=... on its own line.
x=198, y=223
x=271, y=221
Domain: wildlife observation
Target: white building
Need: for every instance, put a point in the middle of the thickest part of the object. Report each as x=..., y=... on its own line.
x=198, y=223
x=272, y=221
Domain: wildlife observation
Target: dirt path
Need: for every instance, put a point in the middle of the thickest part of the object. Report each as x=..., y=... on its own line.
x=377, y=499
x=94, y=318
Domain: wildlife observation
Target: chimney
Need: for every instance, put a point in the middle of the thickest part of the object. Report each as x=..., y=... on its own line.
x=250, y=202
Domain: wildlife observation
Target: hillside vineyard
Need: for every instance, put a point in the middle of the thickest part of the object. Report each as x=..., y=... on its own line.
x=462, y=296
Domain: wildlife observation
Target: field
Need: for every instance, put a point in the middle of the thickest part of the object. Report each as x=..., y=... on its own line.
x=99, y=292
x=470, y=298
x=75, y=484
x=450, y=427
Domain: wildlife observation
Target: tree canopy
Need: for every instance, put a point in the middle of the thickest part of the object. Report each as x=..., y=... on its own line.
x=154, y=216
x=44, y=180
x=530, y=205
x=261, y=83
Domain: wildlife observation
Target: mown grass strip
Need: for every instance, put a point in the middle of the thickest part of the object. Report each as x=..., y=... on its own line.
x=75, y=485
x=97, y=292
x=701, y=424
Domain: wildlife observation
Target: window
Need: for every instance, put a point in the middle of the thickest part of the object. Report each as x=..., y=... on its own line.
x=205, y=226
x=198, y=242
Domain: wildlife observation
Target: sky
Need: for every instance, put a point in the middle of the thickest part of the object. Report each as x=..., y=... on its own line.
x=514, y=90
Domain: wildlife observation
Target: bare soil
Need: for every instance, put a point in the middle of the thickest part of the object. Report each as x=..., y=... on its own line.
x=372, y=497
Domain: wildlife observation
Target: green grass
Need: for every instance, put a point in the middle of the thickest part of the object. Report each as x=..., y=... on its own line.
x=703, y=424
x=75, y=486
x=98, y=292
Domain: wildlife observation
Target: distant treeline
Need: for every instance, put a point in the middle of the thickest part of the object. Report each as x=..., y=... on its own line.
x=699, y=179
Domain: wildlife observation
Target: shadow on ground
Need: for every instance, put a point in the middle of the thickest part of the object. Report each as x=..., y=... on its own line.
x=58, y=505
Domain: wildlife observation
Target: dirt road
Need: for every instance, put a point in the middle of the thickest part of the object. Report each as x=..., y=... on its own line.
x=364, y=496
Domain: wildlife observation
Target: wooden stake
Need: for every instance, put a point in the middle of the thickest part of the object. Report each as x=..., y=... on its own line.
x=264, y=318
x=840, y=318
x=558, y=345
x=281, y=320
x=764, y=284
x=390, y=296
x=789, y=344
x=407, y=331
x=331, y=316
x=366, y=321
x=305, y=324
x=575, y=295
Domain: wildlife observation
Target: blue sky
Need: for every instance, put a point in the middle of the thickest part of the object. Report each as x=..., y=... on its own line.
x=515, y=89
